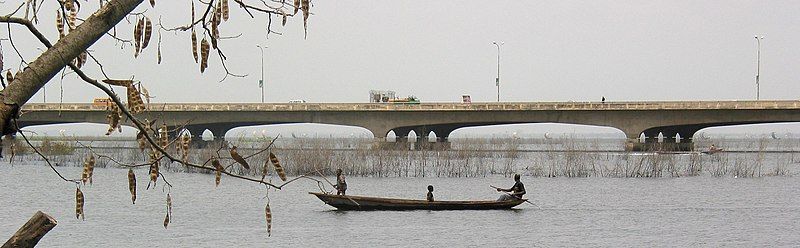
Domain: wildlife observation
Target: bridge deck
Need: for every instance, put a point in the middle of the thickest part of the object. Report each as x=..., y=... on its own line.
x=501, y=106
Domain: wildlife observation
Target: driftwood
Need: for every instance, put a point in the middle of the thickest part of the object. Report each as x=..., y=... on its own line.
x=29, y=234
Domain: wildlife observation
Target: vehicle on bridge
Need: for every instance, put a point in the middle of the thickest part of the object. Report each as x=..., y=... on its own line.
x=102, y=102
x=407, y=100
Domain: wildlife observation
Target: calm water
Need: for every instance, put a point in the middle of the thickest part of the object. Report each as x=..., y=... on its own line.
x=685, y=211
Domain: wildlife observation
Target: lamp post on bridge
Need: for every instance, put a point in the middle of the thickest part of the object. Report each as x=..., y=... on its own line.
x=497, y=80
x=758, y=65
x=261, y=82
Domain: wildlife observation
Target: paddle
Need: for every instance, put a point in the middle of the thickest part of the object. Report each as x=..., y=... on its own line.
x=534, y=204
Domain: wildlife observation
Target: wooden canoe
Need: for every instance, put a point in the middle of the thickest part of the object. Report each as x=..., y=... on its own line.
x=350, y=202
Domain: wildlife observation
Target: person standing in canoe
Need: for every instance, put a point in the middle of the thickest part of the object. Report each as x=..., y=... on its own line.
x=430, y=193
x=517, y=191
x=341, y=185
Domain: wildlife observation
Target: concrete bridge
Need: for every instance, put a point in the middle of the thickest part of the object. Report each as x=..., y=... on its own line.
x=632, y=118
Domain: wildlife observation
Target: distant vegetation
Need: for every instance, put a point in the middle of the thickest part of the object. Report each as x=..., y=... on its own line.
x=565, y=157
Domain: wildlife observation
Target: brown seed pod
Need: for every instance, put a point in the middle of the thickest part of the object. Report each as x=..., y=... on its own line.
x=135, y=103
x=148, y=31
x=132, y=185
x=218, y=13
x=81, y=59
x=265, y=170
x=296, y=6
x=163, y=136
x=79, y=204
x=152, y=3
x=185, y=140
x=137, y=36
x=218, y=170
x=145, y=93
x=194, y=45
x=305, y=7
x=91, y=162
x=9, y=76
x=203, y=55
x=277, y=165
x=283, y=16
x=118, y=82
x=193, y=12
x=239, y=159
x=268, y=213
x=166, y=220
x=141, y=140
x=169, y=204
x=72, y=18
x=225, y=10
x=113, y=118
x=85, y=174
x=153, y=169
x=60, y=24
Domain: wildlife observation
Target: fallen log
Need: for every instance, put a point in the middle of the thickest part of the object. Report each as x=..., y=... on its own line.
x=29, y=234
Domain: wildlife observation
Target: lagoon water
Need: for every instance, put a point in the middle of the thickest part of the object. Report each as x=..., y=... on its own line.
x=595, y=211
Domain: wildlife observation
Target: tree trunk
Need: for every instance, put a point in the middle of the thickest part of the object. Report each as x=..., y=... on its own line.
x=29, y=234
x=28, y=81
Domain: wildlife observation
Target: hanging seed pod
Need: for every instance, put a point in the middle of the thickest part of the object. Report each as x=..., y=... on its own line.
x=225, y=10
x=277, y=165
x=215, y=28
x=113, y=118
x=193, y=12
x=145, y=93
x=169, y=204
x=85, y=174
x=135, y=103
x=72, y=18
x=137, y=36
x=60, y=24
x=265, y=170
x=203, y=55
x=218, y=12
x=218, y=170
x=148, y=31
x=91, y=162
x=166, y=221
x=79, y=204
x=239, y=159
x=163, y=136
x=152, y=3
x=296, y=6
x=268, y=213
x=132, y=185
x=283, y=16
x=305, y=6
x=158, y=50
x=194, y=45
x=185, y=140
x=81, y=59
x=118, y=82
x=9, y=76
x=141, y=140
x=153, y=169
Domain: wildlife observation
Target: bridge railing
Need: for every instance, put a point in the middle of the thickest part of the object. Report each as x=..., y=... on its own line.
x=501, y=106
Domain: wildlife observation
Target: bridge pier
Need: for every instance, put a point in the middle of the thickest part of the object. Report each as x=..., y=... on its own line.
x=668, y=143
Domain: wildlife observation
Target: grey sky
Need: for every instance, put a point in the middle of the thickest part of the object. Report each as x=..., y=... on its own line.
x=438, y=50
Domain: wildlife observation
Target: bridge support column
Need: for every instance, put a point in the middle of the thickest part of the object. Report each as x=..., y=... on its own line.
x=668, y=143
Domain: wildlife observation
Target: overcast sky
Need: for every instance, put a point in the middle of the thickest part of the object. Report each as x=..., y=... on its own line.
x=438, y=50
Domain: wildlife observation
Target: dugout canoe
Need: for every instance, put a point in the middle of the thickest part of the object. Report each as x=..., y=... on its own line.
x=351, y=202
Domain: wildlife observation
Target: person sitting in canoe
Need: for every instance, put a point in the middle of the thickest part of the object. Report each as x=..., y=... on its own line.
x=430, y=193
x=341, y=185
x=517, y=191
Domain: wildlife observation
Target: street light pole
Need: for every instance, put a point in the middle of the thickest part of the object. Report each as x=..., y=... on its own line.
x=758, y=66
x=261, y=82
x=497, y=80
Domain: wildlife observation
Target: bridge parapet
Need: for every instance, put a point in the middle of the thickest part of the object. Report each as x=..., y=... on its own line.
x=502, y=106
